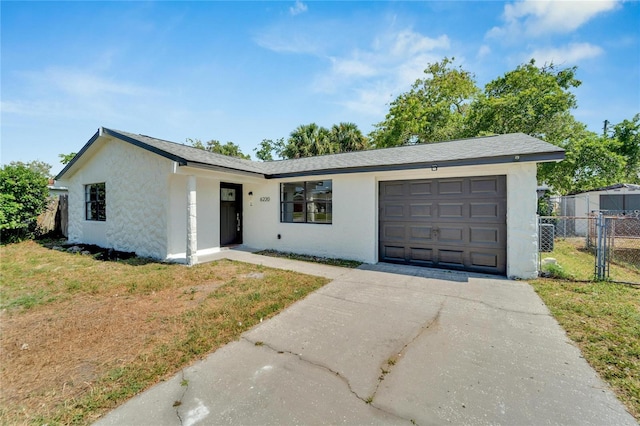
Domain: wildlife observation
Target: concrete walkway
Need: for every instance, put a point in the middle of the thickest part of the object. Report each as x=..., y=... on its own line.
x=387, y=344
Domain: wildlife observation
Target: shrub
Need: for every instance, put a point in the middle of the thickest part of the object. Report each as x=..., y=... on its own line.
x=553, y=270
x=23, y=196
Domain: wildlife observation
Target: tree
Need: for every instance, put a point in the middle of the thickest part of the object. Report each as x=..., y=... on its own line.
x=531, y=100
x=346, y=137
x=627, y=144
x=230, y=148
x=36, y=166
x=310, y=139
x=66, y=158
x=268, y=147
x=307, y=140
x=435, y=108
x=590, y=163
x=23, y=196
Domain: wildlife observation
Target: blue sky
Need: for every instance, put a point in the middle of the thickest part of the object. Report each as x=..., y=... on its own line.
x=246, y=71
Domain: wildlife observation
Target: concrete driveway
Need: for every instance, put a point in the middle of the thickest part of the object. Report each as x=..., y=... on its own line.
x=389, y=344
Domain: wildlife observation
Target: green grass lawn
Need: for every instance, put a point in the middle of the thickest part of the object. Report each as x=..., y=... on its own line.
x=578, y=263
x=602, y=318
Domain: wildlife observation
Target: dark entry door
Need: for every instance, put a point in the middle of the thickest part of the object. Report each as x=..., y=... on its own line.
x=457, y=223
x=230, y=214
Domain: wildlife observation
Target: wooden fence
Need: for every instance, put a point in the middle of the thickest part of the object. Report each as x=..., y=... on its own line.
x=55, y=219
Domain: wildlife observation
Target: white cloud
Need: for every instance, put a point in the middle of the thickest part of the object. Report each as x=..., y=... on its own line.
x=298, y=8
x=370, y=101
x=75, y=93
x=352, y=67
x=570, y=54
x=281, y=41
x=359, y=77
x=483, y=51
x=367, y=79
x=35, y=108
x=410, y=43
x=534, y=18
x=80, y=83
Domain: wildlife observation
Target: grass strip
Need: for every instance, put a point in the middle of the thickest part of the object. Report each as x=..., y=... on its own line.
x=315, y=259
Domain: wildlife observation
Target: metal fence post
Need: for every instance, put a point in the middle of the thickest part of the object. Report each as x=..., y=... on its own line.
x=601, y=269
x=599, y=272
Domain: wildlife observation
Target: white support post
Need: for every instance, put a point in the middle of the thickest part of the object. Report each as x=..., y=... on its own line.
x=192, y=222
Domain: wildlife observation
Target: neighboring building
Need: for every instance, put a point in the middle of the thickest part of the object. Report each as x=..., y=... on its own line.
x=618, y=198
x=465, y=204
x=55, y=190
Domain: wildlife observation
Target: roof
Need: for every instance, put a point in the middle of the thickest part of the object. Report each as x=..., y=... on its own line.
x=514, y=147
x=630, y=186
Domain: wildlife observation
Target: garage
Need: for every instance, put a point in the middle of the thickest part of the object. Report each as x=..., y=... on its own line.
x=452, y=223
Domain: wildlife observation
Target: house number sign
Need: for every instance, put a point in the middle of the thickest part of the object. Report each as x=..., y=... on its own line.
x=265, y=199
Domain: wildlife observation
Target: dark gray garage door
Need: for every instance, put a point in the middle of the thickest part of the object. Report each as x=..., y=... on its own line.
x=446, y=223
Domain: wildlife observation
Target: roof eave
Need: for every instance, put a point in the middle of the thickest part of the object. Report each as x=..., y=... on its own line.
x=147, y=147
x=523, y=158
x=213, y=167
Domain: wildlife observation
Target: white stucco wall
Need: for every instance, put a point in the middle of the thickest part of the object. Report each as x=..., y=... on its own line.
x=522, y=226
x=136, y=184
x=354, y=231
x=352, y=234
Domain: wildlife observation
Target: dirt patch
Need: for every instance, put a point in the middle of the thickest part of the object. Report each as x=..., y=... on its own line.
x=57, y=352
x=98, y=253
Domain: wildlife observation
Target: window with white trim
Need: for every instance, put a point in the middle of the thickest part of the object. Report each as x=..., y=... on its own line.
x=95, y=199
x=306, y=202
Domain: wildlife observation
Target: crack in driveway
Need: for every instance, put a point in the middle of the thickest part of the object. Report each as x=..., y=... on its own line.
x=453, y=296
x=428, y=326
x=184, y=383
x=498, y=308
x=328, y=369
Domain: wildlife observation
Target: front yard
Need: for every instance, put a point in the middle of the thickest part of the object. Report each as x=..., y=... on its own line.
x=79, y=336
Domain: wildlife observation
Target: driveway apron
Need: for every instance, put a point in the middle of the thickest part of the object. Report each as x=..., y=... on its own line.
x=387, y=344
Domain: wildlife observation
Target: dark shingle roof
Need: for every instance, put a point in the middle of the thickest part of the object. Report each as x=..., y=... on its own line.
x=187, y=154
x=484, y=150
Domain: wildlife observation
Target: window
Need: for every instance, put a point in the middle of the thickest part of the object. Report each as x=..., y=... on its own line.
x=227, y=194
x=306, y=202
x=95, y=202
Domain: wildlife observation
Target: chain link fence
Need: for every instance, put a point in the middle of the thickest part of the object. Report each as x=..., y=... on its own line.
x=623, y=230
x=606, y=238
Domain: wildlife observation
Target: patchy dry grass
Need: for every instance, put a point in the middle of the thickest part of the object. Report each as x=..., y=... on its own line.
x=79, y=336
x=603, y=318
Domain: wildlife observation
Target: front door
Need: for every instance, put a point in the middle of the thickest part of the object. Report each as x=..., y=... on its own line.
x=230, y=214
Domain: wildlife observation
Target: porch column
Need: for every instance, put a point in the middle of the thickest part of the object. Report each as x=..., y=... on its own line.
x=192, y=222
